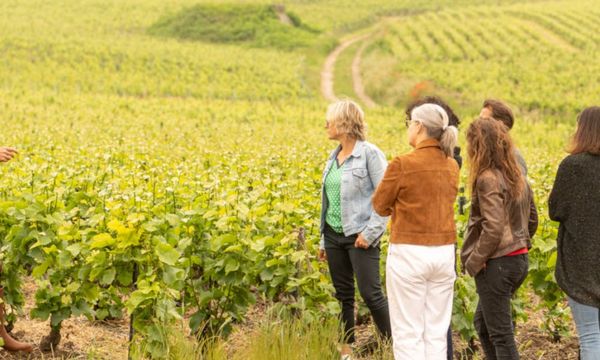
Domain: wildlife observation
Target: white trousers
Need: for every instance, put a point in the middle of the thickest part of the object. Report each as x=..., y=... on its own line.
x=420, y=287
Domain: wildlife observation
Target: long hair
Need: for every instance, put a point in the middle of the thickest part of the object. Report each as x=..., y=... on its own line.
x=587, y=136
x=489, y=147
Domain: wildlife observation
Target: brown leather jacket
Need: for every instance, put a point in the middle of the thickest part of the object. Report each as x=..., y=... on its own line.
x=497, y=225
x=419, y=190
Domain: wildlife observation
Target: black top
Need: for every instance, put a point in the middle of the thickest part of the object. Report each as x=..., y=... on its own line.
x=575, y=203
x=457, y=156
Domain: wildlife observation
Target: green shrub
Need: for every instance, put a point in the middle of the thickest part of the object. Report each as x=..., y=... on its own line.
x=255, y=25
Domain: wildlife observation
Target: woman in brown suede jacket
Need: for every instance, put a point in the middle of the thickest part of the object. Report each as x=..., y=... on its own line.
x=419, y=190
x=502, y=221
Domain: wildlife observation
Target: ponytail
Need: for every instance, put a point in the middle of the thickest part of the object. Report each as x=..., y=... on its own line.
x=448, y=140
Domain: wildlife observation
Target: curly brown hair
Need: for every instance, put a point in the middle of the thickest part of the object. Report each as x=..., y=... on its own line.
x=489, y=146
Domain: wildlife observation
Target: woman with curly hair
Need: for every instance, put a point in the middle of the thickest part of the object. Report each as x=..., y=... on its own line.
x=502, y=221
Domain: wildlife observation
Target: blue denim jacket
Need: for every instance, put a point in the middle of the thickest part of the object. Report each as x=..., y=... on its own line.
x=362, y=173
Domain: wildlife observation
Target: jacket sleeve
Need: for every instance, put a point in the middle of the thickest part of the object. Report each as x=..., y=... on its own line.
x=559, y=202
x=491, y=205
x=533, y=217
x=387, y=190
x=521, y=162
x=376, y=165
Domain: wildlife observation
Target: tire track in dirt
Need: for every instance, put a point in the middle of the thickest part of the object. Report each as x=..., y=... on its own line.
x=357, y=83
x=327, y=77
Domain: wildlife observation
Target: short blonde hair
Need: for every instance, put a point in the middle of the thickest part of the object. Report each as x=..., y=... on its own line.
x=348, y=118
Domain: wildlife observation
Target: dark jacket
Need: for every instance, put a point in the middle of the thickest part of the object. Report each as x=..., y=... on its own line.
x=575, y=203
x=498, y=225
x=419, y=190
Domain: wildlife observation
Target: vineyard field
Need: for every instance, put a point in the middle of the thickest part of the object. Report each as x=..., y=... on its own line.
x=177, y=182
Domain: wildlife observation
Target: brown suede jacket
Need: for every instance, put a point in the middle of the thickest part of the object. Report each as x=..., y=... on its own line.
x=419, y=190
x=497, y=225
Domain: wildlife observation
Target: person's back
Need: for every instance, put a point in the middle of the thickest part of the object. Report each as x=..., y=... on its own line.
x=427, y=189
x=575, y=203
x=419, y=190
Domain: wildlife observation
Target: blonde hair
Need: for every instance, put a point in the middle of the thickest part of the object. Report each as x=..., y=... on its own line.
x=348, y=118
x=435, y=119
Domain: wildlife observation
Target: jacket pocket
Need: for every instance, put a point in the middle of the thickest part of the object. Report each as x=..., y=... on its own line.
x=361, y=179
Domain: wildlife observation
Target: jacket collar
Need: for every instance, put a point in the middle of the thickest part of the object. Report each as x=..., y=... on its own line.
x=356, y=152
x=428, y=143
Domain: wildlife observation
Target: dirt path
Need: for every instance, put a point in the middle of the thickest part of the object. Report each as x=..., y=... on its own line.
x=327, y=78
x=357, y=83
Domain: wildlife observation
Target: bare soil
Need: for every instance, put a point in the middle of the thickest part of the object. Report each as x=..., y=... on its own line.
x=83, y=339
x=80, y=338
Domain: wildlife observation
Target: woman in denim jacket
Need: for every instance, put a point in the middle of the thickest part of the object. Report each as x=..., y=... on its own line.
x=350, y=230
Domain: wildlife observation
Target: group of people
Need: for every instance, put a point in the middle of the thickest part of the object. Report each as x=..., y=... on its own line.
x=360, y=191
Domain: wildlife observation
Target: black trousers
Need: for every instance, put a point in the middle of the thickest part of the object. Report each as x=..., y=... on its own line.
x=496, y=284
x=345, y=262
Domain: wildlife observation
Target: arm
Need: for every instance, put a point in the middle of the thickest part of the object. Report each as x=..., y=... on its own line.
x=387, y=190
x=521, y=162
x=533, y=216
x=7, y=153
x=559, y=201
x=376, y=165
x=491, y=204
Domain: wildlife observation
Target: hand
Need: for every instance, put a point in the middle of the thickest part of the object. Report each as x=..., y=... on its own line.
x=361, y=243
x=7, y=153
x=322, y=255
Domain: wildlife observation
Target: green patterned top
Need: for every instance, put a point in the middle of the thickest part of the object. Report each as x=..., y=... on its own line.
x=333, y=183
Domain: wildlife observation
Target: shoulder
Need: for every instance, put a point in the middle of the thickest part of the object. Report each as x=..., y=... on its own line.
x=453, y=164
x=396, y=164
x=488, y=180
x=571, y=163
x=578, y=160
x=579, y=165
x=371, y=149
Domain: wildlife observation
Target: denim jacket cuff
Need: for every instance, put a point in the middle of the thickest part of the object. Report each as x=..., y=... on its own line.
x=370, y=236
